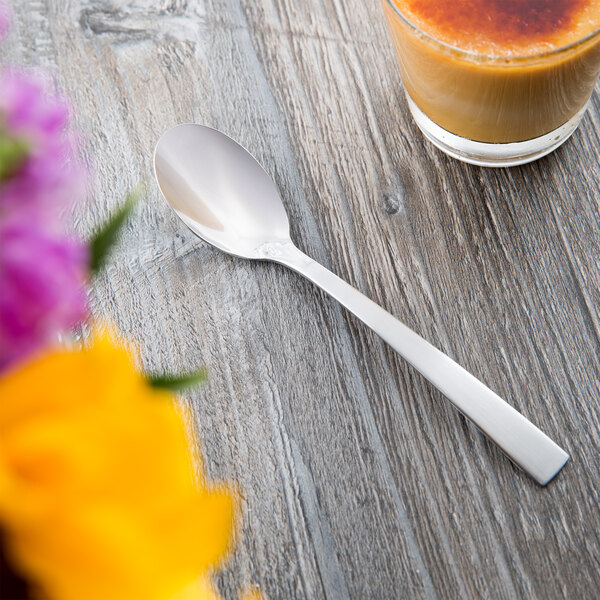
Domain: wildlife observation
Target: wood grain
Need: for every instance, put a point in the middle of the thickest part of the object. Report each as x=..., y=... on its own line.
x=358, y=480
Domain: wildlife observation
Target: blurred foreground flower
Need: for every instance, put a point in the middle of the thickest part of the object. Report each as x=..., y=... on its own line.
x=43, y=272
x=43, y=277
x=44, y=172
x=98, y=497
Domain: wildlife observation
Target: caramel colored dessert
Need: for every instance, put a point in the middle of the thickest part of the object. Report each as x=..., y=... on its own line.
x=497, y=70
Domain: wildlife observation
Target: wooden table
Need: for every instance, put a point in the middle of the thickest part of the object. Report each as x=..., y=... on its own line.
x=357, y=478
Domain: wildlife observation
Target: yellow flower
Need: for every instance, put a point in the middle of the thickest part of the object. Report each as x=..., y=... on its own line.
x=99, y=497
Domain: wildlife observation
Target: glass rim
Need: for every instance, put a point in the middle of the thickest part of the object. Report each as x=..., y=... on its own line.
x=492, y=58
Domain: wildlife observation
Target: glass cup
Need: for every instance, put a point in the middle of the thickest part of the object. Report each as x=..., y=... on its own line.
x=489, y=110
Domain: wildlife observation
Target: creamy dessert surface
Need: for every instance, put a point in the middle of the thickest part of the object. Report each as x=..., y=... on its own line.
x=504, y=27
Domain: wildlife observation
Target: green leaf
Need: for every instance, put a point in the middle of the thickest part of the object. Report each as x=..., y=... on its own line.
x=13, y=153
x=105, y=238
x=177, y=383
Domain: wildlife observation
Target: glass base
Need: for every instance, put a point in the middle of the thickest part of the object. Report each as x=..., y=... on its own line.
x=493, y=155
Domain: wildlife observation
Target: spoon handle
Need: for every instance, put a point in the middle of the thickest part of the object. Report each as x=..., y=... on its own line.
x=523, y=442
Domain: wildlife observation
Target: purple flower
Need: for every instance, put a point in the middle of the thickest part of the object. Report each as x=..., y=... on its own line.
x=43, y=275
x=43, y=272
x=49, y=177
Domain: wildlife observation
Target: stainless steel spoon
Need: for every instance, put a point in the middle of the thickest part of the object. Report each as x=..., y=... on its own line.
x=225, y=197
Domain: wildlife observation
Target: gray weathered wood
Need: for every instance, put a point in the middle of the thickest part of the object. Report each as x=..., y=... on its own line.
x=357, y=478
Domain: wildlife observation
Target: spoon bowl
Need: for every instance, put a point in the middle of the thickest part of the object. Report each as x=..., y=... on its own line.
x=220, y=191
